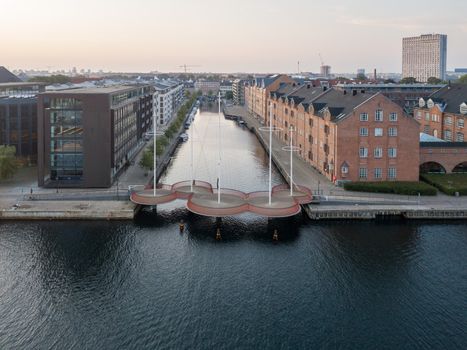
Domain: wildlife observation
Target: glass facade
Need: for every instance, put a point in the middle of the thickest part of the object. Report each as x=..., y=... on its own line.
x=66, y=139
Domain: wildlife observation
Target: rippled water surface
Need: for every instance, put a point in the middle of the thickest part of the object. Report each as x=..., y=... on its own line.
x=144, y=285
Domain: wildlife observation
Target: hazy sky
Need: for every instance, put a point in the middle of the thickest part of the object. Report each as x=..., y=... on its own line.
x=223, y=35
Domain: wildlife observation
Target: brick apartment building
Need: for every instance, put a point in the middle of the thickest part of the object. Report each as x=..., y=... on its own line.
x=257, y=93
x=347, y=136
x=87, y=136
x=444, y=113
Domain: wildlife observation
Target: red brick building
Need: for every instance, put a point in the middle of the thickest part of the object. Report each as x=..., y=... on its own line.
x=444, y=113
x=348, y=137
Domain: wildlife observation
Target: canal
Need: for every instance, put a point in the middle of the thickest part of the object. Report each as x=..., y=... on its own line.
x=144, y=285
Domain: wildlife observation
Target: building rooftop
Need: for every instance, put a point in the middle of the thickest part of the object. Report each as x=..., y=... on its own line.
x=95, y=90
x=20, y=84
x=451, y=97
x=390, y=86
x=428, y=138
x=7, y=77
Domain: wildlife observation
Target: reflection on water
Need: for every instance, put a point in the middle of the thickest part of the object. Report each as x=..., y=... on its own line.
x=145, y=285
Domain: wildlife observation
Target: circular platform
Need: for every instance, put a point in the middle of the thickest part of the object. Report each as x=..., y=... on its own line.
x=185, y=189
x=232, y=203
x=280, y=206
x=146, y=196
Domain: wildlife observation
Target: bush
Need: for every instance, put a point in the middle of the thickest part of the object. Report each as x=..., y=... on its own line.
x=447, y=183
x=400, y=187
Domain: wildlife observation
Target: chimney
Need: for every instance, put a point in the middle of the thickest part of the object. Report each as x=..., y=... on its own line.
x=374, y=76
x=354, y=92
x=345, y=92
x=324, y=88
x=308, y=86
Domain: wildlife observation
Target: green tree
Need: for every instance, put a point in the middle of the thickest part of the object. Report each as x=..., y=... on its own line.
x=8, y=162
x=389, y=81
x=408, y=80
x=434, y=80
x=53, y=79
x=463, y=79
x=147, y=160
x=229, y=95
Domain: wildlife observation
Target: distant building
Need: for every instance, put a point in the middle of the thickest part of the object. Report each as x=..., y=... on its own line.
x=225, y=87
x=460, y=70
x=325, y=71
x=405, y=95
x=207, y=87
x=444, y=113
x=238, y=90
x=257, y=93
x=168, y=96
x=87, y=136
x=424, y=57
x=18, y=117
x=361, y=71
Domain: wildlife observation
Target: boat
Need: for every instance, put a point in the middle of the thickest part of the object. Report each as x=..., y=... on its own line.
x=184, y=137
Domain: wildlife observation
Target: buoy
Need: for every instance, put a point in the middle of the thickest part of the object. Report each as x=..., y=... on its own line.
x=275, y=236
x=181, y=225
x=218, y=234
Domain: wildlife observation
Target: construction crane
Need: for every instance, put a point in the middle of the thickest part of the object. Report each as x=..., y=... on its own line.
x=185, y=66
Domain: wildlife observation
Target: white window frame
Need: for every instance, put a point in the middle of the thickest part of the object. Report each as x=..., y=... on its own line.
x=393, y=117
x=392, y=131
x=379, y=117
x=460, y=123
x=392, y=173
x=363, y=173
x=364, y=133
x=379, y=132
x=459, y=137
x=392, y=152
x=448, y=120
x=363, y=117
x=363, y=152
x=378, y=152
x=378, y=173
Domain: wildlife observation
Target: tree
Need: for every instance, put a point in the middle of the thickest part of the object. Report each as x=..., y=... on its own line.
x=434, y=80
x=229, y=95
x=463, y=79
x=389, y=81
x=53, y=79
x=408, y=80
x=8, y=162
x=147, y=160
x=361, y=76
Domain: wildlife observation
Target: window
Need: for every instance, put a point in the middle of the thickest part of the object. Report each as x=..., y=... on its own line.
x=378, y=173
x=435, y=118
x=460, y=123
x=419, y=115
x=363, y=173
x=310, y=139
x=286, y=111
x=392, y=173
x=291, y=114
x=379, y=115
x=392, y=131
x=378, y=131
x=427, y=116
x=460, y=137
x=392, y=152
x=344, y=169
x=448, y=120
x=363, y=117
x=363, y=152
x=378, y=153
x=310, y=123
x=326, y=129
x=393, y=117
x=363, y=131
x=310, y=155
x=447, y=135
x=426, y=129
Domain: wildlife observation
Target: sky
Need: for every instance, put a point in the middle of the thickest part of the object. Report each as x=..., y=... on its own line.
x=223, y=35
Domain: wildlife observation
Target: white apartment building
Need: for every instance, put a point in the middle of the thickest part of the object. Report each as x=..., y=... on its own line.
x=424, y=57
x=207, y=87
x=168, y=95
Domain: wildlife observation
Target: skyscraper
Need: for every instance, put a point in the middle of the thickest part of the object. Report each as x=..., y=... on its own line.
x=424, y=57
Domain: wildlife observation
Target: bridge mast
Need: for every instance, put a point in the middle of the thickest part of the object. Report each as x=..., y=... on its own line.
x=219, y=146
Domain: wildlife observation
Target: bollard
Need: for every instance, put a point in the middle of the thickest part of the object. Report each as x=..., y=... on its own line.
x=275, y=236
x=218, y=234
x=181, y=226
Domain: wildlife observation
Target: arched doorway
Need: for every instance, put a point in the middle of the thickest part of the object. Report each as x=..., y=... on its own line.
x=432, y=167
x=435, y=133
x=460, y=168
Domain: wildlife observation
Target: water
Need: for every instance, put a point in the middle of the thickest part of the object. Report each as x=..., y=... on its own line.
x=144, y=285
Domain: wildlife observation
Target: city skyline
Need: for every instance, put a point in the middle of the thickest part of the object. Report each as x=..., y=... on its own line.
x=221, y=36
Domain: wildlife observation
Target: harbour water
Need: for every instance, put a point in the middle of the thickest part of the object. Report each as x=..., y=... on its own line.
x=144, y=285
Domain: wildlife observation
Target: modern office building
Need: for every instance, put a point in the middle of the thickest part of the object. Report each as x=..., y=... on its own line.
x=87, y=136
x=325, y=71
x=18, y=118
x=357, y=136
x=167, y=97
x=424, y=57
x=225, y=88
x=238, y=90
x=444, y=113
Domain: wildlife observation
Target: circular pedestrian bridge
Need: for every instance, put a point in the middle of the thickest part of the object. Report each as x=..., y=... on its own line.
x=203, y=199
